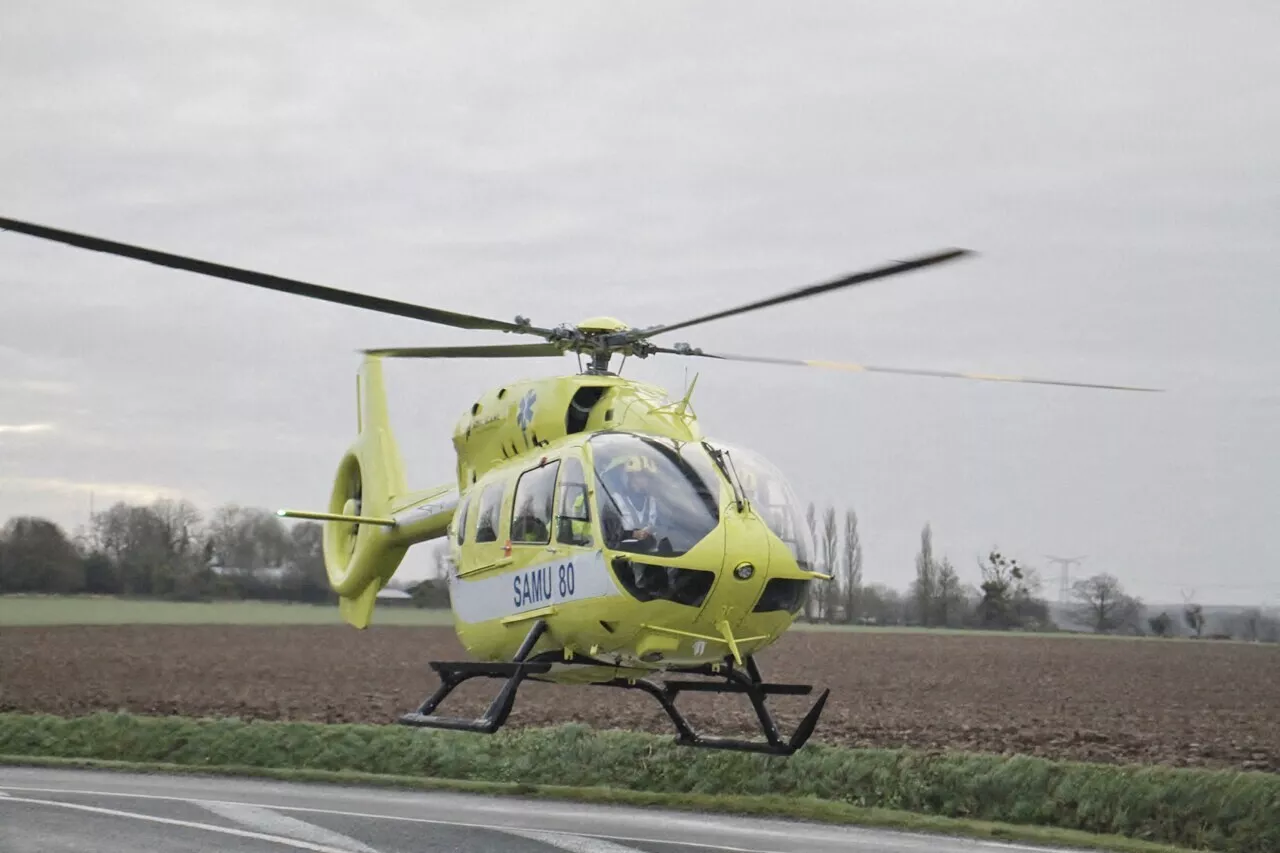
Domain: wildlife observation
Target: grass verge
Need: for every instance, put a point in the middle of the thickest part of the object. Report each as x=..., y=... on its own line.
x=1024, y=798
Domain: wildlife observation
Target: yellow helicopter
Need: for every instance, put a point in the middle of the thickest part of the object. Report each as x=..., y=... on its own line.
x=597, y=536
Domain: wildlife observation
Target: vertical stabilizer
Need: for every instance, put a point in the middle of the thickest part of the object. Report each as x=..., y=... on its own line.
x=361, y=558
x=375, y=423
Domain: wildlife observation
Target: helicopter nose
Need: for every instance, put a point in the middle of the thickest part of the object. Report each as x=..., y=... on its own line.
x=744, y=570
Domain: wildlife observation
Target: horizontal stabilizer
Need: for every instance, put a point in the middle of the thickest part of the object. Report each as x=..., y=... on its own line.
x=336, y=516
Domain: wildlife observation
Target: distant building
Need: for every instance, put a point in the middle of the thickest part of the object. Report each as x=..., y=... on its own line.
x=394, y=597
x=271, y=574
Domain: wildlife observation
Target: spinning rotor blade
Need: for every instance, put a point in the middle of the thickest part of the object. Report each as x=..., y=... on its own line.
x=500, y=351
x=270, y=282
x=866, y=368
x=813, y=290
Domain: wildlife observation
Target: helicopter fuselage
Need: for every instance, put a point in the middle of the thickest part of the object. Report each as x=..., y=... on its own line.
x=703, y=559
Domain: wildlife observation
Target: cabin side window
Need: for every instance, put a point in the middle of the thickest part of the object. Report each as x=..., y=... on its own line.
x=532, y=508
x=490, y=511
x=573, y=513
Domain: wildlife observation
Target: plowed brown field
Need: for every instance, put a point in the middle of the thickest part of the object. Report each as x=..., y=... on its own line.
x=1181, y=703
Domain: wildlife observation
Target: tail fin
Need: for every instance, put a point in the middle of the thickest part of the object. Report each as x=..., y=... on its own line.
x=379, y=518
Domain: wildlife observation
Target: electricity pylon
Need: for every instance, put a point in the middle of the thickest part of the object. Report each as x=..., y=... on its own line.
x=1064, y=578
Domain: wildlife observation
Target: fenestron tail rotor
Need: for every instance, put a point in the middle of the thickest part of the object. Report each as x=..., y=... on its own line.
x=599, y=339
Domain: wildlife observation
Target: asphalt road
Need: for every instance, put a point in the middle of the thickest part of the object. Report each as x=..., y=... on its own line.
x=72, y=811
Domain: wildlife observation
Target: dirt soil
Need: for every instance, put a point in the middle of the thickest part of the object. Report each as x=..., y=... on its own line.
x=1178, y=703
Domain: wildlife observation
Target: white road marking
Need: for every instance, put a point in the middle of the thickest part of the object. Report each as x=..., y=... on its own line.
x=902, y=839
x=719, y=848
x=266, y=820
x=572, y=843
x=189, y=824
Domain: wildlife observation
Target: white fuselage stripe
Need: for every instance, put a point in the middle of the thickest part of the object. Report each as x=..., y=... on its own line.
x=569, y=577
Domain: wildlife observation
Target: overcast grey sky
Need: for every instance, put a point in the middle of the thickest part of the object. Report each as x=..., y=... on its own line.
x=1115, y=165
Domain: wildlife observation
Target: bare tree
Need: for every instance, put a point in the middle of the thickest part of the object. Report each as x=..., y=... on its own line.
x=136, y=541
x=811, y=604
x=1102, y=604
x=830, y=548
x=308, y=578
x=949, y=598
x=248, y=538
x=1193, y=613
x=177, y=530
x=811, y=520
x=852, y=565
x=180, y=521
x=925, y=588
x=883, y=605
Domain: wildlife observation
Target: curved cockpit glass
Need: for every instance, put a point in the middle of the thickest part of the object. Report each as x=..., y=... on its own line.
x=655, y=496
x=770, y=495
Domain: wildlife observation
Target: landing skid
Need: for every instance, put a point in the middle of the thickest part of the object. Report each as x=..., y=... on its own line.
x=452, y=674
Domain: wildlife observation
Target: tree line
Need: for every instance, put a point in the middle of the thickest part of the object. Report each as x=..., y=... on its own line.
x=1006, y=596
x=169, y=549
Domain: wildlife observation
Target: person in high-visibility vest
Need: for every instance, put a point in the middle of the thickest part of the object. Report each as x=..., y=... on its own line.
x=638, y=503
x=630, y=508
x=580, y=519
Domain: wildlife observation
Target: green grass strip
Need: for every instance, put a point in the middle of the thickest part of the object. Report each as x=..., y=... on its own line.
x=1234, y=812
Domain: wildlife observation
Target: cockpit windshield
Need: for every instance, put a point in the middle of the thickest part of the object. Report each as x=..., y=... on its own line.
x=655, y=496
x=768, y=493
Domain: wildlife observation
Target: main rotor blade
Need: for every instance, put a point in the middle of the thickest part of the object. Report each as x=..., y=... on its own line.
x=499, y=351
x=813, y=290
x=270, y=282
x=867, y=368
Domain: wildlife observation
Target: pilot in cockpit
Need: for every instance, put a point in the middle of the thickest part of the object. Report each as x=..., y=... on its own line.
x=635, y=486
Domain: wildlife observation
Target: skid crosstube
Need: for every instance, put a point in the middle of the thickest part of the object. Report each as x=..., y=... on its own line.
x=452, y=674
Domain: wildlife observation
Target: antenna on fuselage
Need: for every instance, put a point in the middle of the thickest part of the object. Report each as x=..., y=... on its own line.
x=683, y=405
